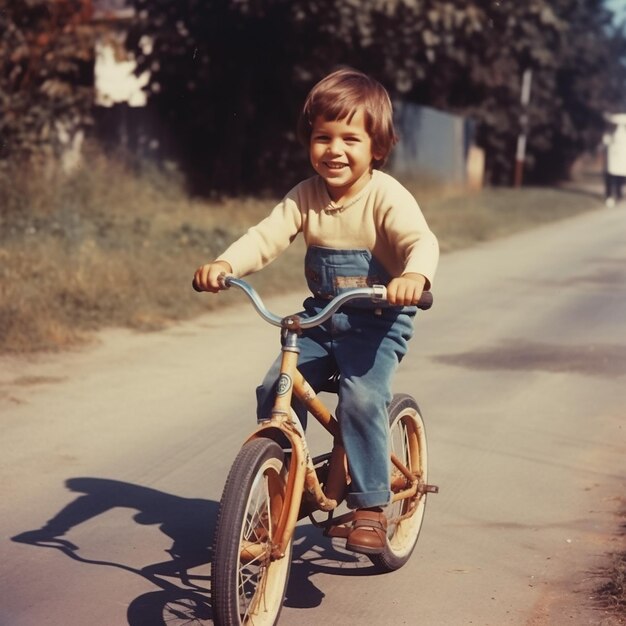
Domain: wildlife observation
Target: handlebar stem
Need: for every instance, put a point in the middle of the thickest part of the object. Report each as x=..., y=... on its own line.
x=376, y=293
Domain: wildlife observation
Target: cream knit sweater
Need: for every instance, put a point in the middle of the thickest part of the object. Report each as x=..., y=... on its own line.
x=384, y=219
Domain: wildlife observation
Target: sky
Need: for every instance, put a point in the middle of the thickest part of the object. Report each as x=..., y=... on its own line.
x=618, y=7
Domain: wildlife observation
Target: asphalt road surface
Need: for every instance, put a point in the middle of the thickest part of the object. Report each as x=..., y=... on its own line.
x=114, y=456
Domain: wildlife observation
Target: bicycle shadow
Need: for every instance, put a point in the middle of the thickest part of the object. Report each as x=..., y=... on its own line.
x=313, y=553
x=189, y=523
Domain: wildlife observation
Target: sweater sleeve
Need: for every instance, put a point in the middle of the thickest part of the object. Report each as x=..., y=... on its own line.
x=262, y=243
x=409, y=234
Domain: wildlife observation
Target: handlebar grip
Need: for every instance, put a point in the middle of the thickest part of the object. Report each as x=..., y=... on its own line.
x=426, y=301
x=223, y=278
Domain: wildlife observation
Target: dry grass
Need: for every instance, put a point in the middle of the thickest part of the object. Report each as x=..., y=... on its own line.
x=610, y=594
x=463, y=220
x=106, y=247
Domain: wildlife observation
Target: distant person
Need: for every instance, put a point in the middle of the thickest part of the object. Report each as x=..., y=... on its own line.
x=615, y=170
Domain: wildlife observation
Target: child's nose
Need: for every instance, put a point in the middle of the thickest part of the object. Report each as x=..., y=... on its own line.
x=334, y=147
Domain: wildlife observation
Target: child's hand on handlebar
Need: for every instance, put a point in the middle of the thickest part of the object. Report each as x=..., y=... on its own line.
x=406, y=290
x=207, y=276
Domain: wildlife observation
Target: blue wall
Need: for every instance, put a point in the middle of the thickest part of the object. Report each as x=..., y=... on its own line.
x=432, y=143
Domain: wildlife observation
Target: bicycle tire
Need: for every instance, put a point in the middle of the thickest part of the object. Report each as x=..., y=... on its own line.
x=408, y=441
x=247, y=586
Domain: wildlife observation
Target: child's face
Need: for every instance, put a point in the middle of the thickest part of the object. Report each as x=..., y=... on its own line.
x=341, y=153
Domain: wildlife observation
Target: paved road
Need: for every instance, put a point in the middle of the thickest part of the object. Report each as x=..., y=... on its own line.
x=116, y=455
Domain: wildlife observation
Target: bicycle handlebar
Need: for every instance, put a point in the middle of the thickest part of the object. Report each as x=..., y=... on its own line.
x=376, y=293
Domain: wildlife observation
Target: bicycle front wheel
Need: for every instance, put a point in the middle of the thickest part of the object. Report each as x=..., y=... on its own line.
x=404, y=517
x=248, y=587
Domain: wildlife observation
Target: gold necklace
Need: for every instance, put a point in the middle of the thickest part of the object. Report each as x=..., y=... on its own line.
x=331, y=208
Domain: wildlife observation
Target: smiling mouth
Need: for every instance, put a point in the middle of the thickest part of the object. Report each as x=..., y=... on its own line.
x=335, y=166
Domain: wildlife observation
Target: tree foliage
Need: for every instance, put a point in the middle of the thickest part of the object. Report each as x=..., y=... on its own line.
x=46, y=63
x=232, y=74
x=228, y=76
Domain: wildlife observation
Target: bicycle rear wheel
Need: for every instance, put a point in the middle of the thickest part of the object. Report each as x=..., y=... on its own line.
x=404, y=517
x=248, y=587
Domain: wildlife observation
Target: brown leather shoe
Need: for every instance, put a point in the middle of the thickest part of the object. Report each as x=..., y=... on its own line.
x=369, y=532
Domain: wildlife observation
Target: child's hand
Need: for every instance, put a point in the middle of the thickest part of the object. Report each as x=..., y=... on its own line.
x=405, y=290
x=206, y=277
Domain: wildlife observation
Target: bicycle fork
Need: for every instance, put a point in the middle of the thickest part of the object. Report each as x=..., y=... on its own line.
x=302, y=476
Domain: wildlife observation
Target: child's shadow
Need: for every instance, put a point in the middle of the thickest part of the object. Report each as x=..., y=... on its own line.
x=190, y=523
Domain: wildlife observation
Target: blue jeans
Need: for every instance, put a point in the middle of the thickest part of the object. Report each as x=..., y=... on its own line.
x=365, y=346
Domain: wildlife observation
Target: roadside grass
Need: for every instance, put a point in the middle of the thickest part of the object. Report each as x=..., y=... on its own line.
x=109, y=247
x=610, y=595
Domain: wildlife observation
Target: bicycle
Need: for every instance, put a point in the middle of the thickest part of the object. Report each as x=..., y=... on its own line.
x=274, y=482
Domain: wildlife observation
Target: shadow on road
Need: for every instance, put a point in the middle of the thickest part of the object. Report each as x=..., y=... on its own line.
x=313, y=553
x=190, y=523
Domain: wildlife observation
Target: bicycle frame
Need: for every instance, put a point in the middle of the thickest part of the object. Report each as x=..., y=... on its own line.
x=301, y=474
x=302, y=477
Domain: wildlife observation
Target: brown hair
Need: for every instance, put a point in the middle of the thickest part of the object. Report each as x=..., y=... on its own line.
x=338, y=96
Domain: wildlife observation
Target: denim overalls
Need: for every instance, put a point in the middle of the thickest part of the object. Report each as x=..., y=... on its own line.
x=364, y=342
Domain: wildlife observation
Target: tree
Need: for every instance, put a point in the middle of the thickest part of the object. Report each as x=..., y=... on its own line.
x=231, y=74
x=470, y=57
x=228, y=76
x=588, y=82
x=46, y=75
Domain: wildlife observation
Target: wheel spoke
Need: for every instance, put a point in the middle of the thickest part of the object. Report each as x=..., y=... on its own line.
x=256, y=531
x=249, y=585
x=404, y=515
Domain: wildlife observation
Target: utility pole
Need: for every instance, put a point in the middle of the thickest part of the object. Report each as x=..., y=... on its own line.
x=520, y=154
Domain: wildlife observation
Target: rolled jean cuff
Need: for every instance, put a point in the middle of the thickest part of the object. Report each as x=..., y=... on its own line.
x=368, y=499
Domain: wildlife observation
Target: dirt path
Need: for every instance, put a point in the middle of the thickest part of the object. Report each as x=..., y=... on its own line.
x=119, y=451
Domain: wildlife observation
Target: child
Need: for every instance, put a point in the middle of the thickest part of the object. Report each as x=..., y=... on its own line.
x=361, y=227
